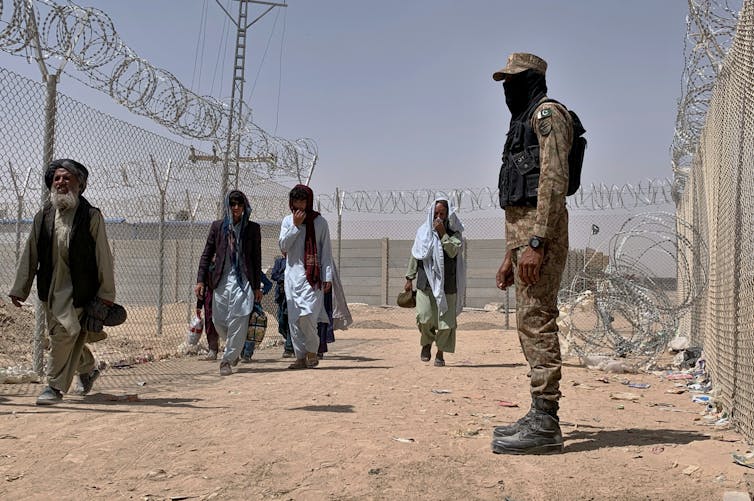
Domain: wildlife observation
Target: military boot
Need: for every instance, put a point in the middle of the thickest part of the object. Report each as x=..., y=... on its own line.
x=512, y=429
x=539, y=435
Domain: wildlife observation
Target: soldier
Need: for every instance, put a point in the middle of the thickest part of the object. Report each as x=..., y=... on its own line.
x=533, y=186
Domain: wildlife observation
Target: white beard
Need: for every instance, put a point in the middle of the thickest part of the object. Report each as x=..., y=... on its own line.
x=64, y=201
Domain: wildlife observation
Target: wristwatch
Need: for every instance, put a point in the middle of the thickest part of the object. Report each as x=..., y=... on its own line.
x=536, y=242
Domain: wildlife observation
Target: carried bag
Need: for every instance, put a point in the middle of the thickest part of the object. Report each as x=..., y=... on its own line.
x=196, y=327
x=257, y=324
x=407, y=299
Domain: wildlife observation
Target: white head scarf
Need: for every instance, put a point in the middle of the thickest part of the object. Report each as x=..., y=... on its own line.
x=428, y=248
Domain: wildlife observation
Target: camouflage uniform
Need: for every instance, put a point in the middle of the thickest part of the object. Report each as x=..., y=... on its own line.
x=536, y=305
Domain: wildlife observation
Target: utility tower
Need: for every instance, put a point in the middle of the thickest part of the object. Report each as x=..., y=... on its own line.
x=232, y=154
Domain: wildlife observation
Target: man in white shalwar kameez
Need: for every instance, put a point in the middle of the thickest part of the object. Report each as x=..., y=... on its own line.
x=305, y=240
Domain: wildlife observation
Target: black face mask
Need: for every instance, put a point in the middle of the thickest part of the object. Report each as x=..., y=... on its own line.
x=523, y=89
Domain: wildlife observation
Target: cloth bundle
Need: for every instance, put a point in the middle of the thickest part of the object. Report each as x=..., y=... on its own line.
x=98, y=314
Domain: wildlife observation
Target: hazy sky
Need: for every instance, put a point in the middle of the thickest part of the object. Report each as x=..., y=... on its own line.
x=398, y=94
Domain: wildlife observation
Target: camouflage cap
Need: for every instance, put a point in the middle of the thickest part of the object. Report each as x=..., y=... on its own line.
x=521, y=61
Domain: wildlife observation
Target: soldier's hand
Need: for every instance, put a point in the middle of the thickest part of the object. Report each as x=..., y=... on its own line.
x=407, y=287
x=199, y=290
x=16, y=300
x=326, y=287
x=258, y=295
x=298, y=217
x=504, y=277
x=530, y=264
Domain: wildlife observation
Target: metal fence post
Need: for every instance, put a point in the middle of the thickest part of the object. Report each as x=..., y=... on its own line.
x=339, y=205
x=161, y=236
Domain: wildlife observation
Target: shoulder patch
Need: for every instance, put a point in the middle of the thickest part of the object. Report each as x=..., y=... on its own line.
x=544, y=113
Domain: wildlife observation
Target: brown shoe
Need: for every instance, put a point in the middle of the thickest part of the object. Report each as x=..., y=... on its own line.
x=311, y=360
x=300, y=363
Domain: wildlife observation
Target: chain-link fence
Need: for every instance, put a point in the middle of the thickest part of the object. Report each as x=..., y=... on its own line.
x=158, y=200
x=157, y=203
x=372, y=238
x=719, y=200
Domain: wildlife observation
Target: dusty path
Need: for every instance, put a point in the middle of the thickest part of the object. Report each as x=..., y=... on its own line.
x=330, y=433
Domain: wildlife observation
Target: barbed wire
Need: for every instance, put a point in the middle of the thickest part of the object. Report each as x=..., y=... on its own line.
x=595, y=197
x=617, y=307
x=87, y=38
x=710, y=26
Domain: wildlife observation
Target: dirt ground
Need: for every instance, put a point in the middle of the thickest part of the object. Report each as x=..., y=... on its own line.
x=371, y=422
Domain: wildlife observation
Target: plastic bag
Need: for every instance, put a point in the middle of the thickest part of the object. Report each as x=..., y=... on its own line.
x=195, y=330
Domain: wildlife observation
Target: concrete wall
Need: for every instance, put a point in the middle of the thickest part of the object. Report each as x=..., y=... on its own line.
x=372, y=270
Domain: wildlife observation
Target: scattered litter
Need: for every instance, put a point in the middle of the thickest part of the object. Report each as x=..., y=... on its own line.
x=158, y=474
x=700, y=387
x=701, y=399
x=452, y=413
x=485, y=416
x=404, y=440
x=679, y=375
x=678, y=343
x=691, y=356
x=620, y=407
x=746, y=460
x=17, y=375
x=11, y=478
x=3, y=437
x=608, y=364
x=375, y=471
x=723, y=422
x=141, y=383
x=441, y=392
x=676, y=391
x=625, y=396
x=641, y=386
x=658, y=449
x=473, y=432
x=603, y=379
x=690, y=469
x=505, y=403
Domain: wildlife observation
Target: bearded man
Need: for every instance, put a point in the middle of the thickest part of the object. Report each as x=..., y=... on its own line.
x=68, y=252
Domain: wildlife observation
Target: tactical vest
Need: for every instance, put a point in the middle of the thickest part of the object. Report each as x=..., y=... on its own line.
x=450, y=286
x=519, y=175
x=82, y=256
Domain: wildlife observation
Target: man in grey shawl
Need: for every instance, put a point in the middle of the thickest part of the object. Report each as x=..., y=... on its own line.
x=437, y=265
